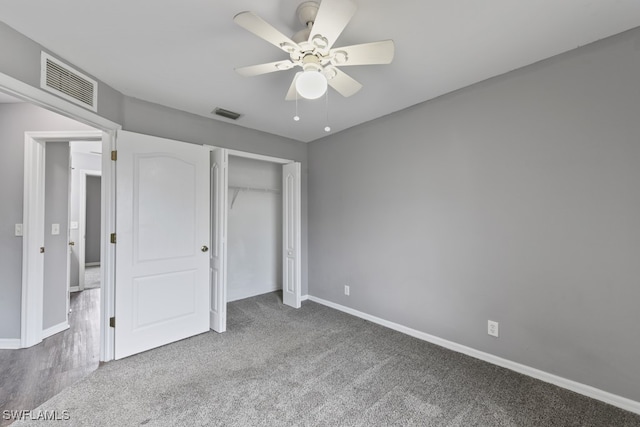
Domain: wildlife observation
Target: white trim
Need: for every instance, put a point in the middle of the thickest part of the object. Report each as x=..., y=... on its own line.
x=586, y=390
x=92, y=264
x=107, y=250
x=9, y=343
x=253, y=293
x=46, y=333
x=304, y=298
x=33, y=240
x=39, y=97
x=254, y=156
x=74, y=288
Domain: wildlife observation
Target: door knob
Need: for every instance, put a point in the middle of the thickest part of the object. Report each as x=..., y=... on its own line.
x=204, y=249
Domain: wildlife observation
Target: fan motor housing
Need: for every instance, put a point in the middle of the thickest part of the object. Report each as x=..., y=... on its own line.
x=307, y=12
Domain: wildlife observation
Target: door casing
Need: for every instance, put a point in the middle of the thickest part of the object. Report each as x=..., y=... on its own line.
x=219, y=230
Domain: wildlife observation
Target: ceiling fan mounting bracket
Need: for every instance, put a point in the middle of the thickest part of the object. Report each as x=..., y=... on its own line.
x=307, y=12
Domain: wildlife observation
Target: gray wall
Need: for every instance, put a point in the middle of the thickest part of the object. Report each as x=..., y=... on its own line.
x=15, y=120
x=515, y=200
x=93, y=213
x=21, y=60
x=56, y=211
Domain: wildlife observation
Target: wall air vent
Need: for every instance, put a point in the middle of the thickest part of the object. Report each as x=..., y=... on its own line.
x=226, y=113
x=64, y=81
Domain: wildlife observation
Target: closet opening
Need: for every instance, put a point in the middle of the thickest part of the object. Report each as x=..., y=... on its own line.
x=254, y=228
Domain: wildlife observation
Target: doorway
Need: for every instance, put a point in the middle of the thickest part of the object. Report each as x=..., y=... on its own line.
x=254, y=243
x=290, y=248
x=85, y=215
x=35, y=245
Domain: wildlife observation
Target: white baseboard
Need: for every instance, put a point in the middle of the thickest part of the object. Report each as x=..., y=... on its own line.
x=304, y=298
x=586, y=390
x=92, y=264
x=46, y=333
x=243, y=293
x=9, y=343
x=74, y=288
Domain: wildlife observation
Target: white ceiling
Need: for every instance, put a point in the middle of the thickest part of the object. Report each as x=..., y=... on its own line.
x=182, y=53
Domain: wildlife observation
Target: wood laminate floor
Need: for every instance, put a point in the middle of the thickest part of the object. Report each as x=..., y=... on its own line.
x=31, y=376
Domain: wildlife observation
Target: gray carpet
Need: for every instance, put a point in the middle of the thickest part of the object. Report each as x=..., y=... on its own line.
x=315, y=366
x=92, y=277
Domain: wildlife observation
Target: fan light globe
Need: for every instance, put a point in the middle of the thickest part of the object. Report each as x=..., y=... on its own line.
x=311, y=84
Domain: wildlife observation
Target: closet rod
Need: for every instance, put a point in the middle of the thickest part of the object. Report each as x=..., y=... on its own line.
x=265, y=190
x=237, y=191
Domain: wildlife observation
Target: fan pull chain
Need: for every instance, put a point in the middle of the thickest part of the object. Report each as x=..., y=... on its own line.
x=327, y=128
x=296, y=117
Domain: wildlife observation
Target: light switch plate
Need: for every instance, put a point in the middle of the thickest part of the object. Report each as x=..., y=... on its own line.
x=19, y=231
x=73, y=225
x=55, y=229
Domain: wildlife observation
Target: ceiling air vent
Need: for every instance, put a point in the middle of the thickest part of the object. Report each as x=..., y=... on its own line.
x=226, y=113
x=64, y=81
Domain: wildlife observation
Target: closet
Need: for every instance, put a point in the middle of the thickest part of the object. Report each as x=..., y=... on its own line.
x=254, y=227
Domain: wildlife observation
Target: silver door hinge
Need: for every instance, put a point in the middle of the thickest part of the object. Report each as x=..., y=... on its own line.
x=113, y=237
x=114, y=155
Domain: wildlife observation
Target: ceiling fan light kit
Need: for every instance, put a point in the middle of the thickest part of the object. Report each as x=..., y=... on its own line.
x=311, y=49
x=311, y=84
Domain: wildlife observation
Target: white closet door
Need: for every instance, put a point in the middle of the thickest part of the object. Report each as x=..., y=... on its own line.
x=291, y=200
x=219, y=173
x=162, y=259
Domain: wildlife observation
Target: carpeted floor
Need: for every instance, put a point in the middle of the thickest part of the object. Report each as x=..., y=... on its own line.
x=315, y=366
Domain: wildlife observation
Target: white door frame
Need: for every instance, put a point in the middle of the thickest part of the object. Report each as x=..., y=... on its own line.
x=82, y=222
x=34, y=228
x=43, y=99
x=222, y=292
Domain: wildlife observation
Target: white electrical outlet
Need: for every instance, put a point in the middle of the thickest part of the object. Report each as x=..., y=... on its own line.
x=492, y=328
x=19, y=230
x=346, y=290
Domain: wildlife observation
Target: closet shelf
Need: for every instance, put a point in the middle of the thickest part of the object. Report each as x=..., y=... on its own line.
x=237, y=190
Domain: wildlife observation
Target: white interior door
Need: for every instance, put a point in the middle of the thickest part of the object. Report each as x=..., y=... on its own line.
x=219, y=173
x=162, y=217
x=291, y=270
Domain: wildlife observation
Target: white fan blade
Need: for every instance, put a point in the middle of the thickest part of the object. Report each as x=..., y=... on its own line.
x=331, y=19
x=364, y=54
x=344, y=84
x=253, y=23
x=256, y=70
x=292, y=95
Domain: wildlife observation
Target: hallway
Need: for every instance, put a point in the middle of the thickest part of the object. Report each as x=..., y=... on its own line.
x=31, y=376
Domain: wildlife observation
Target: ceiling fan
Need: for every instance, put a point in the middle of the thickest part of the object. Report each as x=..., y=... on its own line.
x=312, y=49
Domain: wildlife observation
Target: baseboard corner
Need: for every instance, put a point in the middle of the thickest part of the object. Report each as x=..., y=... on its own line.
x=10, y=343
x=46, y=333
